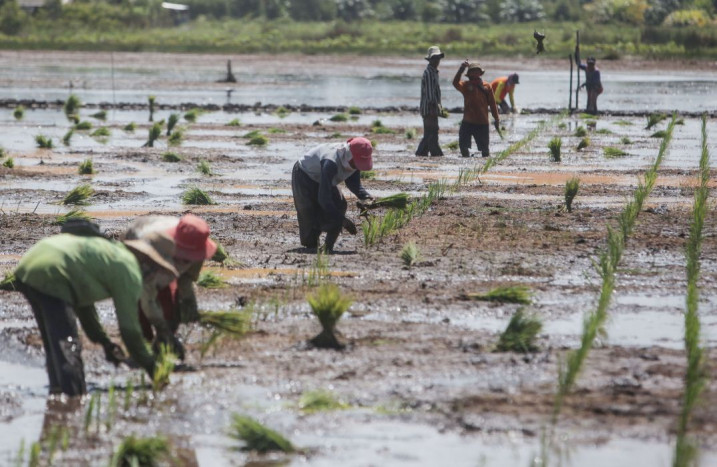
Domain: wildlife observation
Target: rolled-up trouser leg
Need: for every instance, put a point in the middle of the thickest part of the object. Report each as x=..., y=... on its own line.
x=308, y=211
x=63, y=350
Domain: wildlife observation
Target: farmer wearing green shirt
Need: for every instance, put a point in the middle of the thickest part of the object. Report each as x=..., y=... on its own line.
x=64, y=275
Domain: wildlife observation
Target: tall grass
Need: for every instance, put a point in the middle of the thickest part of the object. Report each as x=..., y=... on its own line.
x=257, y=437
x=79, y=195
x=571, y=189
x=554, y=146
x=328, y=304
x=686, y=449
x=520, y=334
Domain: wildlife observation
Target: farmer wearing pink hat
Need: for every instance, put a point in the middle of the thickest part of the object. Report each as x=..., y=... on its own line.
x=176, y=303
x=320, y=205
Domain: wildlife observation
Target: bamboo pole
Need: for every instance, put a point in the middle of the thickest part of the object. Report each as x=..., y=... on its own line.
x=570, y=93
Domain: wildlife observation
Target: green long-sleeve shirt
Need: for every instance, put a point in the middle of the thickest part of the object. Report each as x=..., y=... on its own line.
x=83, y=270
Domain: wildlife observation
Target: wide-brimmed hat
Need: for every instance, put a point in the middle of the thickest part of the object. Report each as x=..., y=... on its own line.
x=158, y=247
x=191, y=238
x=475, y=66
x=361, y=150
x=434, y=51
x=591, y=60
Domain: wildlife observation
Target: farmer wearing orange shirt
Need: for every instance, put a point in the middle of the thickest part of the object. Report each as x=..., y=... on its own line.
x=503, y=86
x=477, y=98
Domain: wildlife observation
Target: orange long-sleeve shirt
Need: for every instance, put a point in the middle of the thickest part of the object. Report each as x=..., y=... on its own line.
x=477, y=98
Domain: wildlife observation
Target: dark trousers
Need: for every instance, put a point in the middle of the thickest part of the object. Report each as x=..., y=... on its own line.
x=312, y=219
x=477, y=132
x=429, y=142
x=503, y=107
x=58, y=328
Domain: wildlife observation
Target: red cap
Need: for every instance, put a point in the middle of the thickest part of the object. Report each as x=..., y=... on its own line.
x=191, y=237
x=361, y=150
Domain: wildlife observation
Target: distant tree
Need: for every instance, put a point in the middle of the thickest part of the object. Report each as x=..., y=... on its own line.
x=464, y=11
x=12, y=18
x=520, y=11
x=405, y=10
x=432, y=11
x=313, y=10
x=353, y=10
x=625, y=11
x=658, y=10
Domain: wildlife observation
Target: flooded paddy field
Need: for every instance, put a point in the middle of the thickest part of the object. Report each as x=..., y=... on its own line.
x=420, y=380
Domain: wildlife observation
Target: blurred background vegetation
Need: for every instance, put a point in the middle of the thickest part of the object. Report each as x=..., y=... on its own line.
x=612, y=28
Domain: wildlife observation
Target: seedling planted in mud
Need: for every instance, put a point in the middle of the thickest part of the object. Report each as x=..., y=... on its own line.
x=654, y=119
x=192, y=115
x=211, y=280
x=368, y=174
x=72, y=106
x=94, y=404
x=163, y=368
x=196, y=196
x=554, y=146
x=151, y=101
x=410, y=254
x=171, y=123
x=258, y=140
x=625, y=140
x=585, y=142
x=234, y=122
x=171, y=157
x=581, y=131
x=79, y=195
x=233, y=322
x=328, y=304
x=154, y=133
x=43, y=142
x=276, y=131
x=83, y=126
x=35, y=451
x=339, y=118
x=68, y=136
x=520, y=334
x=19, y=112
x=453, y=145
x=135, y=451
x=73, y=214
x=658, y=134
x=354, y=110
x=101, y=115
x=204, y=168
x=130, y=127
x=176, y=138
x=101, y=132
x=507, y=294
x=622, y=123
x=571, y=189
x=411, y=133
x=86, y=167
x=320, y=401
x=258, y=437
x=8, y=282
x=9, y=163
x=282, y=112
x=612, y=152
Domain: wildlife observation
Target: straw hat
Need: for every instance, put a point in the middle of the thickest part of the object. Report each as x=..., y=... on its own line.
x=474, y=67
x=434, y=52
x=158, y=247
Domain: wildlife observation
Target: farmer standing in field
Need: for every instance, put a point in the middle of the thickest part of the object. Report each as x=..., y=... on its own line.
x=431, y=107
x=503, y=86
x=477, y=98
x=64, y=275
x=176, y=303
x=592, y=84
x=320, y=205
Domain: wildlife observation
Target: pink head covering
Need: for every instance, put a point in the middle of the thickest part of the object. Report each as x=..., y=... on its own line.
x=361, y=150
x=191, y=236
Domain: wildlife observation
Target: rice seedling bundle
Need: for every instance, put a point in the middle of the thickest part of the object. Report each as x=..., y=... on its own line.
x=571, y=189
x=130, y=127
x=204, y=168
x=520, y=334
x=258, y=437
x=236, y=323
x=83, y=126
x=175, y=139
x=234, y=122
x=354, y=110
x=191, y=115
x=328, y=304
x=507, y=294
x=220, y=255
x=251, y=134
x=79, y=195
x=43, y=142
x=585, y=142
x=196, y=196
x=397, y=201
x=554, y=146
x=9, y=163
x=163, y=367
x=171, y=123
x=654, y=119
x=282, y=112
x=19, y=112
x=210, y=280
x=258, y=140
x=658, y=134
x=581, y=131
x=382, y=130
x=86, y=167
x=72, y=105
x=368, y=174
x=625, y=140
x=101, y=115
x=276, y=131
x=154, y=133
x=133, y=451
x=612, y=152
x=339, y=118
x=320, y=401
x=8, y=282
x=171, y=157
x=101, y=132
x=410, y=254
x=604, y=131
x=68, y=136
x=411, y=133
x=453, y=145
x=72, y=214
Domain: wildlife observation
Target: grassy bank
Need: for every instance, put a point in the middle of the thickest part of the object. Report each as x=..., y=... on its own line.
x=368, y=38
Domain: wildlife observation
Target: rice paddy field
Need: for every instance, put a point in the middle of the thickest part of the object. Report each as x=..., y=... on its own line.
x=597, y=278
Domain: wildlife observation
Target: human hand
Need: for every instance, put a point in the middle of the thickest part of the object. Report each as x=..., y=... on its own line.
x=465, y=64
x=172, y=342
x=114, y=353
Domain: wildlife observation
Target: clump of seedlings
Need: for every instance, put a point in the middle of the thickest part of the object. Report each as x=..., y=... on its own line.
x=9, y=163
x=554, y=146
x=571, y=189
x=410, y=254
x=154, y=133
x=8, y=282
x=232, y=323
x=581, y=131
x=196, y=196
x=151, y=101
x=72, y=214
x=204, y=168
x=368, y=174
x=625, y=140
x=19, y=112
x=43, y=142
x=83, y=126
x=171, y=157
x=374, y=143
x=604, y=131
x=171, y=123
x=163, y=368
x=71, y=107
x=211, y=280
x=353, y=110
x=130, y=127
x=378, y=128
x=612, y=152
x=101, y=132
x=234, y=122
x=585, y=142
x=175, y=139
x=653, y=119
x=135, y=451
x=68, y=136
x=397, y=201
x=622, y=123
x=86, y=167
x=257, y=437
x=258, y=140
x=339, y=118
x=276, y=131
x=411, y=133
x=191, y=115
x=282, y=112
x=79, y=195
x=221, y=256
x=658, y=134
x=101, y=115
x=505, y=294
x=453, y=145
x=320, y=401
x=328, y=304
x=520, y=334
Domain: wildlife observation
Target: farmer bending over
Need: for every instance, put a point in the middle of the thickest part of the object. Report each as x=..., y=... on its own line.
x=503, y=86
x=320, y=205
x=64, y=275
x=176, y=303
x=477, y=98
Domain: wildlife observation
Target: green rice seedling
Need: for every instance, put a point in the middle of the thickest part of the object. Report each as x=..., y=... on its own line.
x=72, y=106
x=562, y=125
x=369, y=227
x=252, y=134
x=585, y=142
x=319, y=271
x=83, y=126
x=151, y=101
x=520, y=334
x=505, y=294
x=339, y=118
x=9, y=163
x=411, y=133
x=234, y=122
x=35, y=451
x=410, y=254
x=204, y=168
x=397, y=201
x=680, y=121
x=154, y=133
x=282, y=112
x=625, y=140
x=111, y=406
x=172, y=122
x=20, y=458
x=101, y=132
x=94, y=401
x=68, y=136
x=276, y=131
x=86, y=167
x=79, y=195
x=196, y=196
x=220, y=255
x=211, y=280
x=101, y=115
x=163, y=368
x=453, y=145
x=176, y=138
x=328, y=304
x=171, y=157
x=72, y=214
x=259, y=140
x=658, y=134
x=604, y=131
x=134, y=451
x=376, y=124
x=622, y=123
x=612, y=152
x=8, y=282
x=128, y=392
x=554, y=146
x=43, y=142
x=257, y=437
x=353, y=110
x=654, y=118
x=191, y=115
x=580, y=131
x=53, y=441
x=374, y=143
x=320, y=401
x=382, y=130
x=234, y=323
x=19, y=112
x=444, y=113
x=368, y=174
x=130, y=127
x=586, y=116
x=571, y=189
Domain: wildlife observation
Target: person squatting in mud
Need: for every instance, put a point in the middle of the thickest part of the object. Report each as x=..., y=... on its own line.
x=477, y=98
x=320, y=205
x=64, y=275
x=175, y=302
